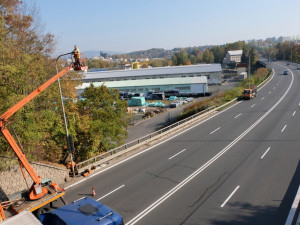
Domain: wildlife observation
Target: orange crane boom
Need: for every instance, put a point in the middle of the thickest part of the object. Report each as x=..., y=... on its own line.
x=36, y=191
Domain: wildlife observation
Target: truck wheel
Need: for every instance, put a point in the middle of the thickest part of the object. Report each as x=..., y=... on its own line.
x=43, y=209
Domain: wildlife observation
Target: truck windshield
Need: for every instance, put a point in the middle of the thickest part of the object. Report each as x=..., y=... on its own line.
x=246, y=92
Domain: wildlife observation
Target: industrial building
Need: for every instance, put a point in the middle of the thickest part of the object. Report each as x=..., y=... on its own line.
x=193, y=79
x=233, y=57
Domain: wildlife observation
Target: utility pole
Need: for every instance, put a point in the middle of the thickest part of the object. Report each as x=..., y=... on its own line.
x=69, y=144
x=249, y=71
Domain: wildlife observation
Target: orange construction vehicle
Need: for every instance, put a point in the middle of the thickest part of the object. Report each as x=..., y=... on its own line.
x=249, y=93
x=41, y=192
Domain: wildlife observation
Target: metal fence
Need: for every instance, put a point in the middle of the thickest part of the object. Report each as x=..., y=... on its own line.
x=101, y=158
x=98, y=160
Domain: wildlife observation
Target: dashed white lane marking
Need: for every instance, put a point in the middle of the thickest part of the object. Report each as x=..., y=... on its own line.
x=283, y=128
x=237, y=115
x=262, y=98
x=177, y=154
x=265, y=153
x=252, y=105
x=111, y=192
x=294, y=113
x=215, y=130
x=227, y=199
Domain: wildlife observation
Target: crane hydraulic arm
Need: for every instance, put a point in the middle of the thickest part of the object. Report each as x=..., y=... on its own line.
x=36, y=191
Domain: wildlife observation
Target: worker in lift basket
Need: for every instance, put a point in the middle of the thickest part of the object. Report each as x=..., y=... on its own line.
x=76, y=54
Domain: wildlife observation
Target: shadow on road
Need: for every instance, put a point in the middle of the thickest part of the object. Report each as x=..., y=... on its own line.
x=260, y=215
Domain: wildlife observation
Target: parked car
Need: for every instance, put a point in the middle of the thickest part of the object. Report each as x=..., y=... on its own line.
x=190, y=99
x=176, y=104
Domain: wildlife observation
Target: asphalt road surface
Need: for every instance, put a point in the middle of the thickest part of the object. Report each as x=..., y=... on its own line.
x=240, y=166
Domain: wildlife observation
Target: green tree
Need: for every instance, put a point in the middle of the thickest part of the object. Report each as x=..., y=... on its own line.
x=219, y=53
x=103, y=121
x=208, y=56
x=25, y=64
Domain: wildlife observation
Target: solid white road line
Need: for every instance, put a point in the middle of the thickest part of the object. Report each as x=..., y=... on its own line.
x=283, y=128
x=265, y=153
x=227, y=199
x=111, y=192
x=252, y=105
x=237, y=115
x=294, y=113
x=207, y=164
x=148, y=149
x=177, y=154
x=293, y=209
x=214, y=130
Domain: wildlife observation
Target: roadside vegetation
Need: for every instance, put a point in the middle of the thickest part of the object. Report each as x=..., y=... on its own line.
x=96, y=123
x=259, y=76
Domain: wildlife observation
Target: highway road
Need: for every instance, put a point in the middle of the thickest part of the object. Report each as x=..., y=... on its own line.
x=238, y=167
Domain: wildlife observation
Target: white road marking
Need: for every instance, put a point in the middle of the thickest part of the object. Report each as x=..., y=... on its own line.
x=227, y=199
x=111, y=192
x=265, y=153
x=252, y=105
x=237, y=115
x=294, y=113
x=283, y=128
x=299, y=103
x=207, y=164
x=214, y=130
x=262, y=98
x=270, y=92
x=293, y=209
x=148, y=149
x=177, y=154
x=274, y=88
x=170, y=138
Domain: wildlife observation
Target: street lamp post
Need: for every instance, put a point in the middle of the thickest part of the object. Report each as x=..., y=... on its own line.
x=64, y=116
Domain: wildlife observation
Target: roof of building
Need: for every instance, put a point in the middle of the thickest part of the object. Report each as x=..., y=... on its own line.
x=148, y=82
x=236, y=52
x=201, y=68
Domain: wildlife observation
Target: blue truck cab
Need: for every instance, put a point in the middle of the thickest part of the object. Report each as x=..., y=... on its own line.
x=82, y=212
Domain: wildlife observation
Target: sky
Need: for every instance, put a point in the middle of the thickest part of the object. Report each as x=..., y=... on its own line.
x=132, y=25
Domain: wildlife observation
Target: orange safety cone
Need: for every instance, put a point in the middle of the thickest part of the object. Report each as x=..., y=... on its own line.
x=93, y=190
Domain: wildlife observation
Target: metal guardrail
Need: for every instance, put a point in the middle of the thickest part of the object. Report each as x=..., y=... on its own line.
x=121, y=148
x=102, y=157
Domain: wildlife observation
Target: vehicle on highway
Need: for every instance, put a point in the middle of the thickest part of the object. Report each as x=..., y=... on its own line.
x=287, y=64
x=82, y=211
x=249, y=93
x=285, y=72
x=298, y=67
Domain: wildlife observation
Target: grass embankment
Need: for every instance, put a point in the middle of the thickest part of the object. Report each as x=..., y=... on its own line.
x=259, y=76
